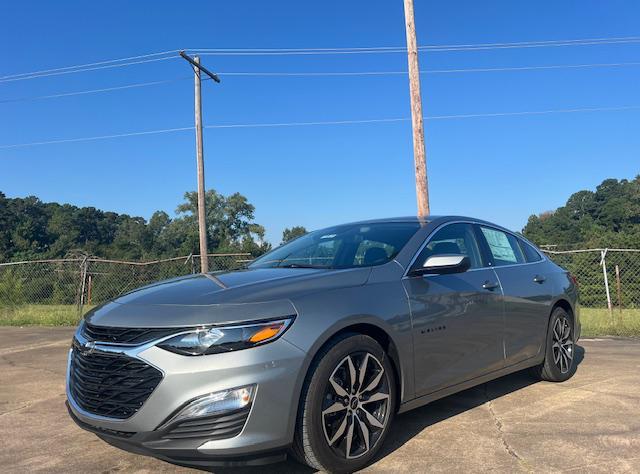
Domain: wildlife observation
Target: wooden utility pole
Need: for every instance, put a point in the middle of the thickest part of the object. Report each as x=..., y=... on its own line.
x=419, y=155
x=202, y=222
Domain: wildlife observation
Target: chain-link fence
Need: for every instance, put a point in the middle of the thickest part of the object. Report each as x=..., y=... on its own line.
x=609, y=282
x=57, y=291
x=607, y=277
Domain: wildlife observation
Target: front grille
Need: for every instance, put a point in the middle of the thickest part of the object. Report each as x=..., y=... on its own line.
x=210, y=427
x=131, y=336
x=109, y=384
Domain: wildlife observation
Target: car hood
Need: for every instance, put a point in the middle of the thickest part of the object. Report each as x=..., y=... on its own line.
x=223, y=297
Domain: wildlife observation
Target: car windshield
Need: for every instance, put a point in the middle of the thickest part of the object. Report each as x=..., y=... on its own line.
x=345, y=246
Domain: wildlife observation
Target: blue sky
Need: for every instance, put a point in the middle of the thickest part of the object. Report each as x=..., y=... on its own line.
x=500, y=168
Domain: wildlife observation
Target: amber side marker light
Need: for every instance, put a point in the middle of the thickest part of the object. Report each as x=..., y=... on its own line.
x=267, y=333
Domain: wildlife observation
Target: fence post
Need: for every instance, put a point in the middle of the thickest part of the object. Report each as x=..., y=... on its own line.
x=89, y=285
x=193, y=263
x=603, y=262
x=619, y=288
x=83, y=280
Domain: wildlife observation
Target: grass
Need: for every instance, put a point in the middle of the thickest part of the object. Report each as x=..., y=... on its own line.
x=598, y=322
x=39, y=315
x=595, y=321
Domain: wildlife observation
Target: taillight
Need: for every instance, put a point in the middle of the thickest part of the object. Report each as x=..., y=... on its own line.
x=573, y=279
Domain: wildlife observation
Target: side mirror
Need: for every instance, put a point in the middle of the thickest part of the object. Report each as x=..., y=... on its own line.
x=444, y=264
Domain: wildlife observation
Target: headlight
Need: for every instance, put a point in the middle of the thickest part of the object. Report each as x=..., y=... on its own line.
x=215, y=404
x=214, y=340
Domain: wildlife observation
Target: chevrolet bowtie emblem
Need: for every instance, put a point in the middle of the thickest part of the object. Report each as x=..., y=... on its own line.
x=88, y=348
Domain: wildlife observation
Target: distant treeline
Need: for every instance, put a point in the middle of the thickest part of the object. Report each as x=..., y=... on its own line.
x=30, y=229
x=608, y=217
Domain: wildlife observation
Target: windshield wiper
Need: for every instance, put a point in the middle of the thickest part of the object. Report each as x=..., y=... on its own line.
x=300, y=265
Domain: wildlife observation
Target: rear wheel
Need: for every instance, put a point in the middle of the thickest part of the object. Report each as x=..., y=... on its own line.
x=558, y=364
x=347, y=406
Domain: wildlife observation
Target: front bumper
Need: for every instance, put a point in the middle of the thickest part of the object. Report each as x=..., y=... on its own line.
x=136, y=443
x=274, y=368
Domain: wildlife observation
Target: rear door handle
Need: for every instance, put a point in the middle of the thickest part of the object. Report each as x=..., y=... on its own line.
x=539, y=279
x=490, y=285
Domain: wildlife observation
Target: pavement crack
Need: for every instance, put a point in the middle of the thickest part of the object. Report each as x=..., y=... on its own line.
x=13, y=350
x=15, y=409
x=499, y=426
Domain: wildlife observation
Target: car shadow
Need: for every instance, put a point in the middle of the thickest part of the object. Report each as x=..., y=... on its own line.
x=408, y=425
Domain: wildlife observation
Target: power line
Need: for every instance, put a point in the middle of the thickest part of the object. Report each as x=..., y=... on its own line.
x=171, y=54
x=301, y=50
x=314, y=74
x=95, y=68
x=427, y=71
x=322, y=74
x=99, y=137
x=536, y=112
x=296, y=52
x=534, y=44
x=130, y=58
x=330, y=122
x=93, y=91
x=306, y=124
x=530, y=68
x=402, y=49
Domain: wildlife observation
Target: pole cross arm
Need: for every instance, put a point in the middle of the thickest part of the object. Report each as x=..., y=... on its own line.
x=200, y=67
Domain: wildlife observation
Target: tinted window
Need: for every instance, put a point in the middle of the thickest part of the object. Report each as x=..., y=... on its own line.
x=504, y=247
x=452, y=239
x=364, y=251
x=530, y=253
x=346, y=246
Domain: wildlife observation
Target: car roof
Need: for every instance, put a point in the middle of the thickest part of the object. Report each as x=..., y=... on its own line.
x=438, y=219
x=430, y=218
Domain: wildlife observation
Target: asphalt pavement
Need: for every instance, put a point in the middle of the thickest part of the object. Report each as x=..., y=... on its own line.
x=589, y=424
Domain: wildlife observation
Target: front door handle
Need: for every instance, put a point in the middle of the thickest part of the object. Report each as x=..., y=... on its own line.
x=490, y=285
x=539, y=279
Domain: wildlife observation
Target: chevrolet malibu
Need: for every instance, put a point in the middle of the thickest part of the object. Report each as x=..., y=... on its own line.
x=314, y=347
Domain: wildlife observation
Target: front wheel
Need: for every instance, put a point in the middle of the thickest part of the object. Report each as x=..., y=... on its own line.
x=347, y=406
x=558, y=364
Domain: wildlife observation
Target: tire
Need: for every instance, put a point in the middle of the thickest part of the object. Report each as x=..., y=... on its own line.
x=558, y=364
x=329, y=415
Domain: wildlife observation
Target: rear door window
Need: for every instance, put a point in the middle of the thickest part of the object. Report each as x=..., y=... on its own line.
x=503, y=247
x=530, y=253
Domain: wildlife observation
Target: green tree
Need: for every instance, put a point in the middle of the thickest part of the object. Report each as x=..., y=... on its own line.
x=29, y=234
x=6, y=223
x=293, y=233
x=30, y=228
x=606, y=217
x=130, y=240
x=230, y=224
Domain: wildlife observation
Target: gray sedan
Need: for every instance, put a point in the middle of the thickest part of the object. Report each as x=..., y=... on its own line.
x=314, y=347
